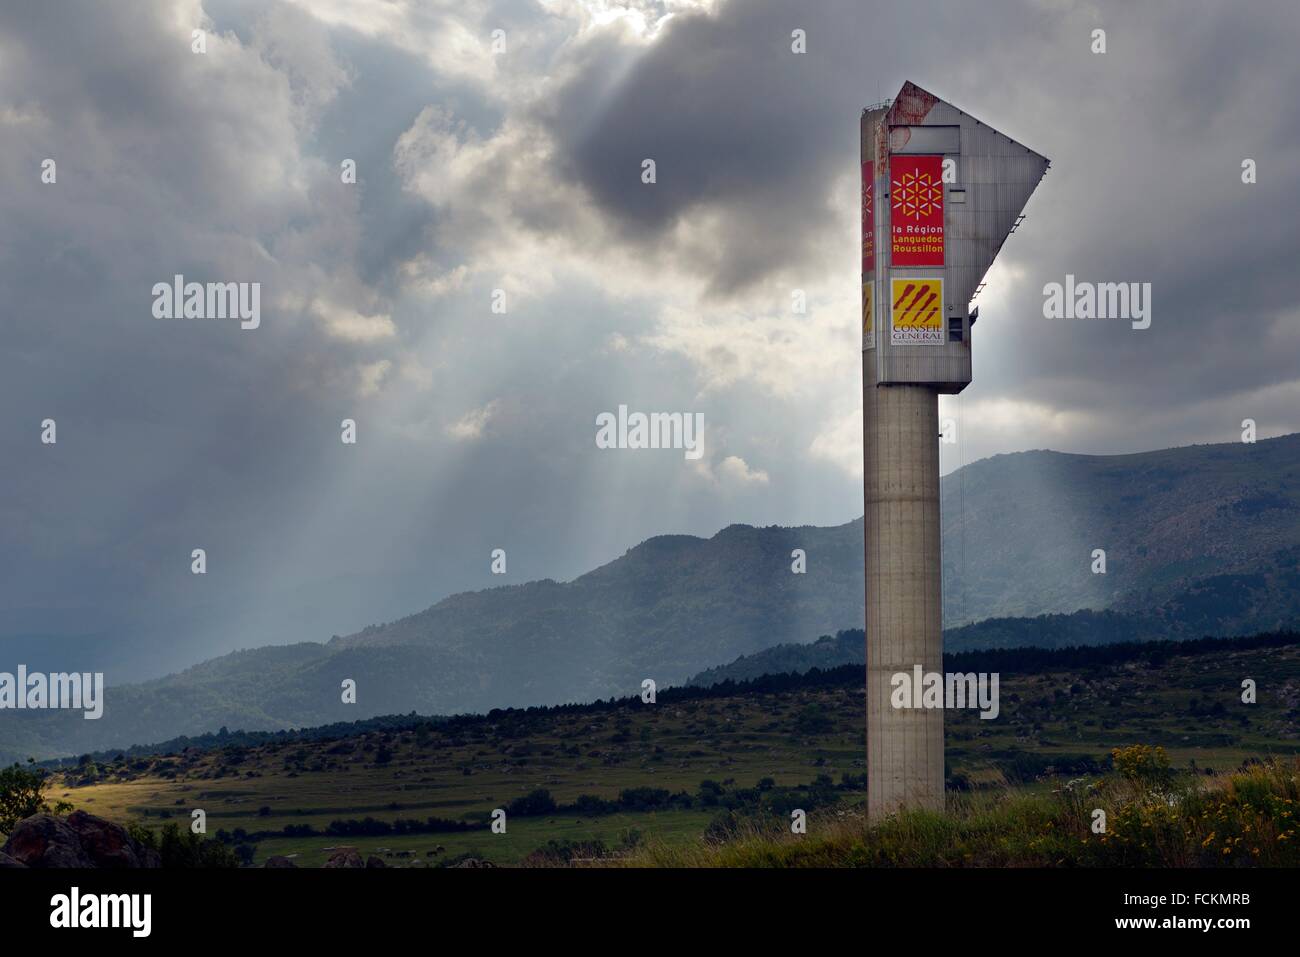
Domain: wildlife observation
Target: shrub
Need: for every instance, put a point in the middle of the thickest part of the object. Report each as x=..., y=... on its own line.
x=532, y=804
x=20, y=796
x=1142, y=763
x=185, y=849
x=563, y=852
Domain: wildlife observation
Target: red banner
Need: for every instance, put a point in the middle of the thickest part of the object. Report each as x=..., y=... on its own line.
x=868, y=219
x=916, y=210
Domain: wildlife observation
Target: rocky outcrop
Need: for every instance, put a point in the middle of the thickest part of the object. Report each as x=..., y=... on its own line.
x=279, y=860
x=345, y=857
x=44, y=840
x=348, y=857
x=7, y=861
x=108, y=844
x=79, y=840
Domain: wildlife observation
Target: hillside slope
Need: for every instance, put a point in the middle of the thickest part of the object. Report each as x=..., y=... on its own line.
x=668, y=770
x=1019, y=530
x=1199, y=541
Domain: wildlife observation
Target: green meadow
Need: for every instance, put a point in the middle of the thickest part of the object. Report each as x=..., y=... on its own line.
x=671, y=771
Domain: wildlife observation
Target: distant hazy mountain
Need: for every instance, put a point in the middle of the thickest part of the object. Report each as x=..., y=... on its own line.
x=667, y=608
x=1217, y=606
x=1019, y=530
x=1200, y=540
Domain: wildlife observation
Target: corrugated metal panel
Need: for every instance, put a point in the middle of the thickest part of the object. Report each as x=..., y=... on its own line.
x=925, y=139
x=995, y=176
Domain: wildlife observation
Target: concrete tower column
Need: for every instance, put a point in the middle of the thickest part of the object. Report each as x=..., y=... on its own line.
x=900, y=425
x=941, y=192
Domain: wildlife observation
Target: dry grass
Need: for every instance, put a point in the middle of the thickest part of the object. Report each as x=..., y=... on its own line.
x=1154, y=819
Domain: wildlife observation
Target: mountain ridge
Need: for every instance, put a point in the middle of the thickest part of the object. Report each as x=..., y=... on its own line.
x=675, y=605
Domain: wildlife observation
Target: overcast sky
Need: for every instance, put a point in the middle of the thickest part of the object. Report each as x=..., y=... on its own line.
x=520, y=170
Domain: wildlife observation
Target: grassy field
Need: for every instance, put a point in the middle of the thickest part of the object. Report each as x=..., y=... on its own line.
x=522, y=837
x=1053, y=727
x=1154, y=817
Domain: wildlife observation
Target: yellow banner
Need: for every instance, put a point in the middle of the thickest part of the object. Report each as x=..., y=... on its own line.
x=868, y=313
x=916, y=316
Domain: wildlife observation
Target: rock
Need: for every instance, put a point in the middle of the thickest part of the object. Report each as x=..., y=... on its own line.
x=79, y=840
x=474, y=862
x=373, y=861
x=345, y=857
x=43, y=840
x=279, y=860
x=108, y=844
x=7, y=861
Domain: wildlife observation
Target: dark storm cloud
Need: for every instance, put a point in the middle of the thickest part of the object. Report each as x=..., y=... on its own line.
x=1146, y=142
x=740, y=126
x=181, y=435
x=1146, y=187
x=173, y=435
